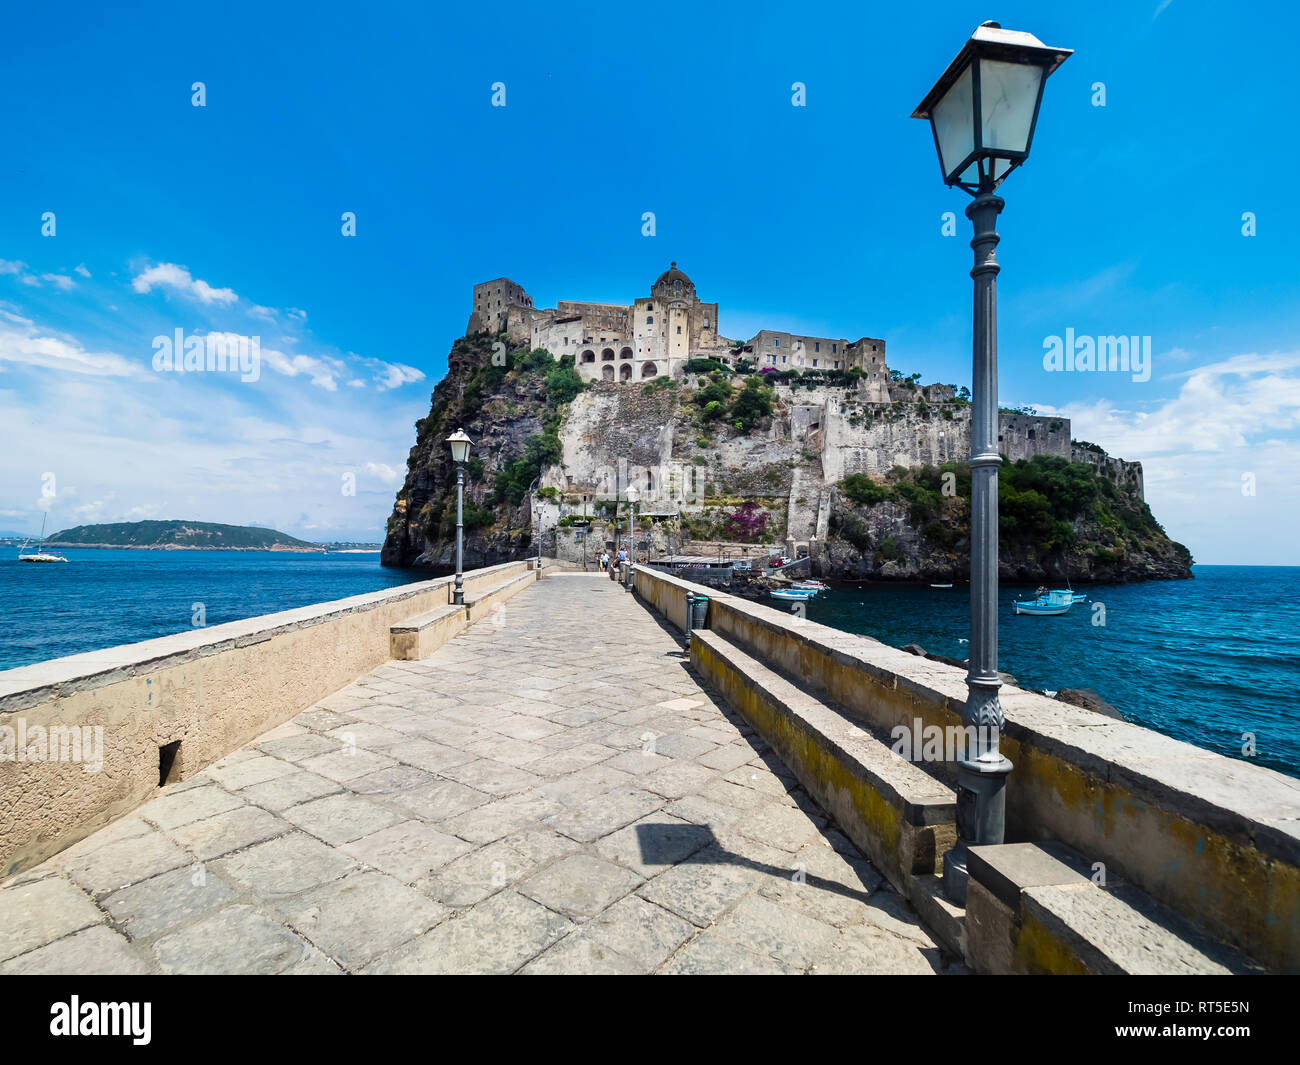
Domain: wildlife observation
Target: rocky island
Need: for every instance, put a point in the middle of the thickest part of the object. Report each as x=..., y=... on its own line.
x=178, y=535
x=744, y=446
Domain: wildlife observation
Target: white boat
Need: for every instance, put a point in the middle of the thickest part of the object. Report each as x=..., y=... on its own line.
x=792, y=594
x=810, y=586
x=40, y=554
x=941, y=586
x=1046, y=603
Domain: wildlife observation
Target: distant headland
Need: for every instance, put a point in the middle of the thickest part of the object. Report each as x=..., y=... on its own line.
x=185, y=535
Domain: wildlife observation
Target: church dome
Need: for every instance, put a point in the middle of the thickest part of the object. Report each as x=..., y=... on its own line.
x=673, y=282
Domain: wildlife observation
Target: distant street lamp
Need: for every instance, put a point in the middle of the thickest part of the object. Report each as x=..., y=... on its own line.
x=459, y=444
x=538, y=531
x=632, y=496
x=983, y=111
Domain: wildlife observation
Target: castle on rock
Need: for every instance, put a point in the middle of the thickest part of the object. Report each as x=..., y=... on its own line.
x=658, y=334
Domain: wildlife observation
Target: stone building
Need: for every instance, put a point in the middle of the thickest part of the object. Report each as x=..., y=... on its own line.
x=492, y=303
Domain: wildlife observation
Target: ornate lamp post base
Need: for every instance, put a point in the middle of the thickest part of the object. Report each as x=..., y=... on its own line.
x=981, y=814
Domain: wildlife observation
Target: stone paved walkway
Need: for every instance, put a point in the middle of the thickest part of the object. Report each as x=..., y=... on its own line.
x=550, y=792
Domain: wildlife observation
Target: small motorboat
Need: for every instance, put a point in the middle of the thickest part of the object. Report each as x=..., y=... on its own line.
x=792, y=594
x=941, y=586
x=1046, y=603
x=810, y=586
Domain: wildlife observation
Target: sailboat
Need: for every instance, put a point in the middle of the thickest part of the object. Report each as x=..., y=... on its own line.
x=40, y=555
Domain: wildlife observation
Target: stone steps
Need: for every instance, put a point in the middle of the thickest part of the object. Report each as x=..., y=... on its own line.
x=419, y=636
x=900, y=816
x=1035, y=908
x=1032, y=907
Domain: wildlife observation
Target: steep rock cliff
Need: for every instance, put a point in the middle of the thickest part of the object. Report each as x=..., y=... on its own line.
x=881, y=486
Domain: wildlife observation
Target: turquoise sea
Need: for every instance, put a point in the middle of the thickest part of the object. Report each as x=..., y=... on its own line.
x=104, y=597
x=1204, y=660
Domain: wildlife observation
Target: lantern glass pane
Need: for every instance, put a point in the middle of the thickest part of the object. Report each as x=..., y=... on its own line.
x=1008, y=95
x=954, y=123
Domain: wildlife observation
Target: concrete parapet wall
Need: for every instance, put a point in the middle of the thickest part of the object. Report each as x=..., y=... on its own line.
x=211, y=690
x=1216, y=839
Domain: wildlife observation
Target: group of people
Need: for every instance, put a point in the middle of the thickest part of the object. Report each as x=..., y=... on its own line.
x=603, y=560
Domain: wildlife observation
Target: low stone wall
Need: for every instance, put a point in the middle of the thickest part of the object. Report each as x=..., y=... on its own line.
x=210, y=690
x=1214, y=838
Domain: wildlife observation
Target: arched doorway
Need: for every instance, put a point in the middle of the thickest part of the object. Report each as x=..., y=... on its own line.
x=607, y=372
x=607, y=355
x=626, y=353
x=625, y=372
x=649, y=370
x=589, y=356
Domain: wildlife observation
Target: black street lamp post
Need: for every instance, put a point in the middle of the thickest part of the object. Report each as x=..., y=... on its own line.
x=632, y=496
x=459, y=444
x=537, y=532
x=983, y=111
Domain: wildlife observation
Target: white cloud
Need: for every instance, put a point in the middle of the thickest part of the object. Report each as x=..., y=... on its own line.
x=172, y=276
x=323, y=372
x=81, y=269
x=1230, y=419
x=28, y=345
x=60, y=281
x=392, y=374
x=384, y=473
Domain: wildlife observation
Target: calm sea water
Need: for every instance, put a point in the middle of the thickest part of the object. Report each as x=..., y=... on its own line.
x=1204, y=660
x=101, y=598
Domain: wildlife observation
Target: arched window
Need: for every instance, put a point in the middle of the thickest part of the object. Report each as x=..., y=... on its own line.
x=677, y=288
x=607, y=373
x=649, y=370
x=626, y=353
x=625, y=372
x=607, y=355
x=588, y=356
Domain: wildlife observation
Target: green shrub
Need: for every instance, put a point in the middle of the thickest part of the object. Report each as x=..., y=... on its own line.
x=716, y=391
x=563, y=382
x=862, y=490
x=890, y=549
x=752, y=405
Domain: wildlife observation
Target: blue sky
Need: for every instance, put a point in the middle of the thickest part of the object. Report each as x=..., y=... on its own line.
x=824, y=219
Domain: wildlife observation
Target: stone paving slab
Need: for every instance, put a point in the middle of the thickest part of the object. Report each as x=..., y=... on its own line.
x=551, y=792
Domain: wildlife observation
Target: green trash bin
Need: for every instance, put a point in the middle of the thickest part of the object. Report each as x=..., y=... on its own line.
x=699, y=610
